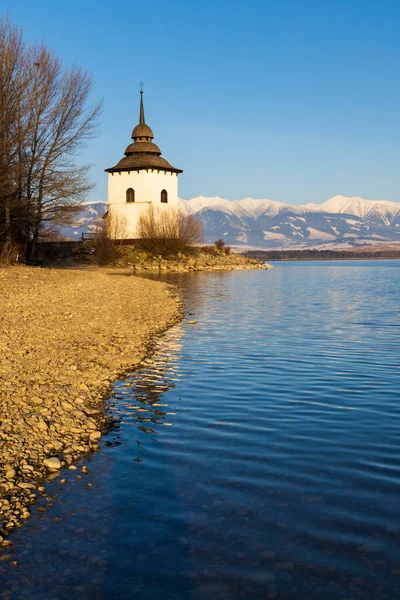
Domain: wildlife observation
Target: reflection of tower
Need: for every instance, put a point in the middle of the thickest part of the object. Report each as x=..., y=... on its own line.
x=141, y=178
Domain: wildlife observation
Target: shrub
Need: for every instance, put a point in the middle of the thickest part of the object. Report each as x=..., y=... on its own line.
x=106, y=241
x=220, y=245
x=168, y=231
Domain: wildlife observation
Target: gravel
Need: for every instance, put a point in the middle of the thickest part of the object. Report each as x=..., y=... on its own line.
x=65, y=336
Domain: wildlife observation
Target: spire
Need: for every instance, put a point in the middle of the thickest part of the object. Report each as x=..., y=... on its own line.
x=142, y=132
x=141, y=121
x=142, y=154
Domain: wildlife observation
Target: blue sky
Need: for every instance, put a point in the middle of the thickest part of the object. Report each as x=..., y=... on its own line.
x=293, y=100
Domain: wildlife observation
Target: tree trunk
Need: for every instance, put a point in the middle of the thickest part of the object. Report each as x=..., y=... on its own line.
x=35, y=235
x=7, y=223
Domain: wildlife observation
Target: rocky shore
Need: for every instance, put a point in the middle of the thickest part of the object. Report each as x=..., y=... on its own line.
x=201, y=261
x=65, y=336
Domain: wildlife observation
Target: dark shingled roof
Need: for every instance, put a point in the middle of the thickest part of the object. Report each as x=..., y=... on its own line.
x=142, y=154
x=147, y=147
x=140, y=161
x=142, y=130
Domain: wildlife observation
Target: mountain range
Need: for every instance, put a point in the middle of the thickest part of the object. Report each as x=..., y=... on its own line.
x=270, y=224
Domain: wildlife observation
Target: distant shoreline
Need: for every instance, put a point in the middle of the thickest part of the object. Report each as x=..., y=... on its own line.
x=334, y=258
x=318, y=255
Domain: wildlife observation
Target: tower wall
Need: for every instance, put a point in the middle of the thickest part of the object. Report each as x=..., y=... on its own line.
x=147, y=185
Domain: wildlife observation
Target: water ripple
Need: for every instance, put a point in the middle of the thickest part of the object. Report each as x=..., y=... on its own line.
x=255, y=456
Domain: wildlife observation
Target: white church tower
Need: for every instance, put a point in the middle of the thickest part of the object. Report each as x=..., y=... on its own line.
x=141, y=178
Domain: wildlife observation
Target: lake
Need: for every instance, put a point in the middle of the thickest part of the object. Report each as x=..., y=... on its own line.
x=255, y=456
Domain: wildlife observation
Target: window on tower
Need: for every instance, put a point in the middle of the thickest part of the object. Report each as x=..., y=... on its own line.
x=130, y=195
x=164, y=196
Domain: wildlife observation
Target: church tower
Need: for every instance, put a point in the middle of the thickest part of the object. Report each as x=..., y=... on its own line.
x=141, y=178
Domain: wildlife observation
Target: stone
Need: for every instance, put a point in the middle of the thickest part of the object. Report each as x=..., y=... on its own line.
x=95, y=436
x=26, y=486
x=27, y=468
x=52, y=464
x=11, y=473
x=37, y=400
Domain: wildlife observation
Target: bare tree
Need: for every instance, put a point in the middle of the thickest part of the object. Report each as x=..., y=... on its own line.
x=168, y=231
x=47, y=122
x=61, y=124
x=12, y=99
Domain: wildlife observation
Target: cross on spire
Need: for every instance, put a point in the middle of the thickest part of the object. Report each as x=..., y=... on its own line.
x=141, y=84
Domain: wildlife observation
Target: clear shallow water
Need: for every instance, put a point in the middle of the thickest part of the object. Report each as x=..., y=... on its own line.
x=256, y=457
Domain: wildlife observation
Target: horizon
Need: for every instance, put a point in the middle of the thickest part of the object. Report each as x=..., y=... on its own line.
x=262, y=101
x=268, y=200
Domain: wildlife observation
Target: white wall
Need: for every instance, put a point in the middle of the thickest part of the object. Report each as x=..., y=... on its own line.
x=147, y=186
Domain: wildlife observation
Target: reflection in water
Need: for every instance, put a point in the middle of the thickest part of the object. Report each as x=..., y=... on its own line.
x=138, y=398
x=255, y=456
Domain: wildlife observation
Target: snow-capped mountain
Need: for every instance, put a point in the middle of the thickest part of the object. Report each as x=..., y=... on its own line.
x=270, y=224
x=86, y=221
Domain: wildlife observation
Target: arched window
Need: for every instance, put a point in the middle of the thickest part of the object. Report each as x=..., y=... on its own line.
x=130, y=195
x=164, y=196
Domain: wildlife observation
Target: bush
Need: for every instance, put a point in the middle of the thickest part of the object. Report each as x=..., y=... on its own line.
x=220, y=245
x=108, y=249
x=168, y=231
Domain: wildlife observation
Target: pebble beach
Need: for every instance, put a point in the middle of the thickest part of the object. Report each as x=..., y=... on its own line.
x=65, y=336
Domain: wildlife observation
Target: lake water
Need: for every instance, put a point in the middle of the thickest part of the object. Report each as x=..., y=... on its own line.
x=256, y=457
